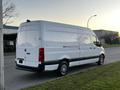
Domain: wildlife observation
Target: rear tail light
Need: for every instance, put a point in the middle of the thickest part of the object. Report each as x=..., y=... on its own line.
x=41, y=55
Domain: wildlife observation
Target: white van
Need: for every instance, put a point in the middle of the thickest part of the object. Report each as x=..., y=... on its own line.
x=44, y=45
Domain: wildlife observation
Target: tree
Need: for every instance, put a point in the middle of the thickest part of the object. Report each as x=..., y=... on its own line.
x=9, y=11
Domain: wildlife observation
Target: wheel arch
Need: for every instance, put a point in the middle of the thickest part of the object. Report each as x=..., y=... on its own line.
x=102, y=53
x=65, y=58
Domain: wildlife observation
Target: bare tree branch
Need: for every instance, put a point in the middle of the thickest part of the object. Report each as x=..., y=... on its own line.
x=8, y=11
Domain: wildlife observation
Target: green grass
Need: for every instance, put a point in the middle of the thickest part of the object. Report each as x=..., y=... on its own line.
x=111, y=45
x=106, y=77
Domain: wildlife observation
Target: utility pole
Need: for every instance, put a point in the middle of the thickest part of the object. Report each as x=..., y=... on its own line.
x=2, y=86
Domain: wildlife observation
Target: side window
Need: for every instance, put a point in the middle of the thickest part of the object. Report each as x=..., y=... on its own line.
x=93, y=39
x=84, y=39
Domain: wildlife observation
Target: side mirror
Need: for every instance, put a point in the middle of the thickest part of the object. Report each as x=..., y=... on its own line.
x=98, y=43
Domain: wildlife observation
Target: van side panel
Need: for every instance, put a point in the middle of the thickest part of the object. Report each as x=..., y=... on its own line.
x=60, y=43
x=65, y=42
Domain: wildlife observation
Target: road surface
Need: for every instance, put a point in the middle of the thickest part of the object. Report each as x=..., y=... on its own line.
x=17, y=79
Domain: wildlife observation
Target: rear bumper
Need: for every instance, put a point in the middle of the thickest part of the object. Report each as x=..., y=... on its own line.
x=40, y=68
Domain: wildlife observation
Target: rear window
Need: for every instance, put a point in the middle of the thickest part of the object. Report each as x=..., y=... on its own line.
x=30, y=38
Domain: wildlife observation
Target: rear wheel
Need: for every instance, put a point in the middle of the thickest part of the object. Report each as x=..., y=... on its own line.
x=101, y=60
x=63, y=68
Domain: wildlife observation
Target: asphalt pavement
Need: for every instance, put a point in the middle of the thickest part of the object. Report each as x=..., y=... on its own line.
x=17, y=79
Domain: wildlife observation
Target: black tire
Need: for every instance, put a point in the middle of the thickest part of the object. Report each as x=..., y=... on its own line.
x=101, y=60
x=63, y=68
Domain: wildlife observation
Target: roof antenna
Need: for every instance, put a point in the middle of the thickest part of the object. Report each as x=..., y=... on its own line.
x=28, y=20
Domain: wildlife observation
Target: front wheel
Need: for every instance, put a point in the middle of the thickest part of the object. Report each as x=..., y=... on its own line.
x=63, y=68
x=101, y=60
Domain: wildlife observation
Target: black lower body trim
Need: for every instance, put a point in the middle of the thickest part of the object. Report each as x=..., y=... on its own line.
x=70, y=60
x=83, y=58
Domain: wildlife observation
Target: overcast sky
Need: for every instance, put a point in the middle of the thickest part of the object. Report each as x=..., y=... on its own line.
x=74, y=12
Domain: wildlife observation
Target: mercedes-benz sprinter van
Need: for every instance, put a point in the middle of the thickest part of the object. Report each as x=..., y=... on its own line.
x=44, y=45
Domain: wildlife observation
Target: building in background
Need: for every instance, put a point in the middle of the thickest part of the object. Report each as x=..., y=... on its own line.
x=108, y=37
x=10, y=35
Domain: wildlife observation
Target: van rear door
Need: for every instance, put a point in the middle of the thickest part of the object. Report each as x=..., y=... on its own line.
x=28, y=47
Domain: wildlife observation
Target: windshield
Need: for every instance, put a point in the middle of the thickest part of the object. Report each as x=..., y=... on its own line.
x=30, y=38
